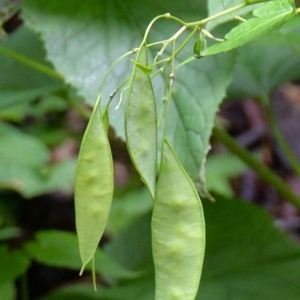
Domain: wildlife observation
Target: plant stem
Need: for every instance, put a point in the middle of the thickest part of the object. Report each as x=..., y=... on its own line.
x=24, y=287
x=294, y=163
x=31, y=63
x=218, y=15
x=262, y=171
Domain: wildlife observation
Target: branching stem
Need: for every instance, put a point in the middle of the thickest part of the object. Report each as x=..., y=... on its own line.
x=261, y=170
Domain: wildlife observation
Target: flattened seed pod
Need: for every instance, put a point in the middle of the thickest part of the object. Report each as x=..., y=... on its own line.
x=141, y=122
x=178, y=232
x=94, y=184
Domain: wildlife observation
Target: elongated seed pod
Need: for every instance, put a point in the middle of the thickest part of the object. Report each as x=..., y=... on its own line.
x=141, y=122
x=94, y=184
x=178, y=232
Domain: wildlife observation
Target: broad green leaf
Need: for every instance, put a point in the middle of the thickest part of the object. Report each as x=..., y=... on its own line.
x=18, y=82
x=60, y=249
x=278, y=54
x=14, y=145
x=83, y=38
x=93, y=25
x=247, y=257
x=24, y=165
x=22, y=160
x=126, y=207
x=132, y=245
x=86, y=25
x=198, y=91
x=266, y=17
x=18, y=112
x=219, y=169
x=13, y=264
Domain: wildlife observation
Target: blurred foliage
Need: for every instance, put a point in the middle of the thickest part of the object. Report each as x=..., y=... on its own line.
x=50, y=72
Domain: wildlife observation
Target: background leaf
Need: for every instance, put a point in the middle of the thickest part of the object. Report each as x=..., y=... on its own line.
x=247, y=257
x=278, y=53
x=198, y=89
x=13, y=264
x=60, y=249
x=126, y=207
x=25, y=165
x=266, y=18
x=95, y=34
x=217, y=6
x=7, y=291
x=219, y=169
x=19, y=171
x=83, y=39
x=18, y=82
x=197, y=94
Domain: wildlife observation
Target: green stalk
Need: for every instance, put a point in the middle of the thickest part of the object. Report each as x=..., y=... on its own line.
x=218, y=15
x=262, y=171
x=30, y=63
x=292, y=159
x=24, y=287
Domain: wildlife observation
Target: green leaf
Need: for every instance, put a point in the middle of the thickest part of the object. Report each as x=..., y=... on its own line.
x=74, y=292
x=143, y=288
x=84, y=38
x=60, y=249
x=60, y=177
x=18, y=112
x=9, y=232
x=219, y=169
x=126, y=207
x=278, y=54
x=247, y=257
x=266, y=17
x=132, y=246
x=7, y=291
x=22, y=159
x=87, y=25
x=197, y=94
x=30, y=174
x=13, y=264
x=18, y=82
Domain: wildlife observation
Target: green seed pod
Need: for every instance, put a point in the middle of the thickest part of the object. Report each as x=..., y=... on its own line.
x=141, y=121
x=178, y=231
x=94, y=185
x=198, y=47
